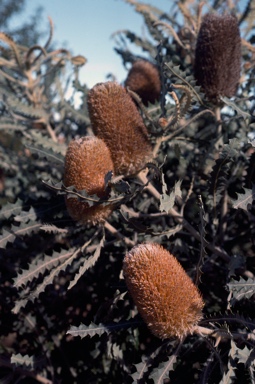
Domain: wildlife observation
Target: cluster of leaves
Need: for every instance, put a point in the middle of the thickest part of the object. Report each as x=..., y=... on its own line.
x=60, y=279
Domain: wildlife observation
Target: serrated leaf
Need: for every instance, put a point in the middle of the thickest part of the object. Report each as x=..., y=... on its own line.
x=228, y=376
x=42, y=141
x=50, y=228
x=31, y=362
x=39, y=267
x=241, y=289
x=66, y=260
x=147, y=362
x=19, y=360
x=161, y=373
x=11, y=209
x=114, y=351
x=46, y=281
x=90, y=262
x=141, y=368
x=231, y=150
x=48, y=154
x=24, y=216
x=26, y=111
x=167, y=201
x=189, y=81
x=244, y=199
x=99, y=329
x=19, y=305
x=242, y=355
x=219, y=175
x=91, y=330
x=8, y=236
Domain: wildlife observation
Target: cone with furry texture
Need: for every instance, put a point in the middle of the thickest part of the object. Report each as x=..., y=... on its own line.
x=218, y=56
x=143, y=78
x=116, y=120
x=87, y=161
x=164, y=294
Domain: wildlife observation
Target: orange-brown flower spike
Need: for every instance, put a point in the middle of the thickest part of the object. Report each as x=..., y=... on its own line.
x=143, y=78
x=218, y=56
x=164, y=294
x=116, y=120
x=87, y=161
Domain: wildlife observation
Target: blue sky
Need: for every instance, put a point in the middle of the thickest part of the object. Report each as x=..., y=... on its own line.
x=87, y=25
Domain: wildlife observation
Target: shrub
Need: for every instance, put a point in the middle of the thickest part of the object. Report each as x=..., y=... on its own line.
x=183, y=179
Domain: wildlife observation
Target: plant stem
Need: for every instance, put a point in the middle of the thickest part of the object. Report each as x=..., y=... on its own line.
x=181, y=220
x=117, y=234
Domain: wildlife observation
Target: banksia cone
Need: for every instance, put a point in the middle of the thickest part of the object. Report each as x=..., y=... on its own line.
x=143, y=78
x=87, y=161
x=116, y=120
x=218, y=56
x=164, y=294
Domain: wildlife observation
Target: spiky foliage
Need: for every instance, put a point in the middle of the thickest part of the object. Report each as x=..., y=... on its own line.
x=164, y=294
x=116, y=120
x=218, y=56
x=87, y=162
x=144, y=79
x=61, y=280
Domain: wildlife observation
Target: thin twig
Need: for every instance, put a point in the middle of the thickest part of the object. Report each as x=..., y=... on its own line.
x=117, y=234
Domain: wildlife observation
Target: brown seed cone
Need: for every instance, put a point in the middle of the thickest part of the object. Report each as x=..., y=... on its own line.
x=164, y=294
x=116, y=120
x=87, y=161
x=143, y=78
x=218, y=56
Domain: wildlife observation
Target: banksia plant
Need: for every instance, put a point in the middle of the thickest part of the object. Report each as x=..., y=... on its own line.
x=87, y=161
x=218, y=56
x=164, y=294
x=116, y=120
x=143, y=78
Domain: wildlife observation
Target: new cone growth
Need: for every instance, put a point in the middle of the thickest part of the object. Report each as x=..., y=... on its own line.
x=218, y=56
x=87, y=162
x=143, y=78
x=165, y=296
x=116, y=120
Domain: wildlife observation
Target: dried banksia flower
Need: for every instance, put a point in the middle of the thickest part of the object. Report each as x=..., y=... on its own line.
x=218, y=56
x=116, y=120
x=87, y=161
x=164, y=294
x=143, y=78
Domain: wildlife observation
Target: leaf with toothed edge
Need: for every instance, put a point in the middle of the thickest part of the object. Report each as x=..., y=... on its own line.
x=19, y=360
x=11, y=209
x=167, y=201
x=8, y=236
x=241, y=289
x=98, y=329
x=40, y=266
x=48, y=154
x=244, y=199
x=89, y=262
